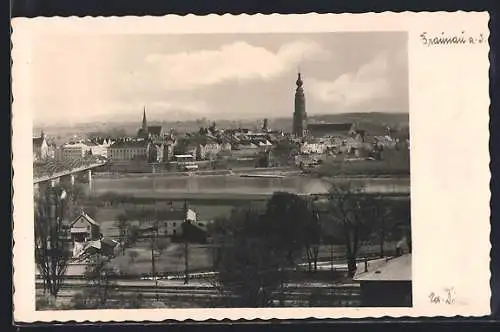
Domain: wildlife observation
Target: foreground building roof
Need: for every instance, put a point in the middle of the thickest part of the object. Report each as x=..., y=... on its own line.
x=395, y=269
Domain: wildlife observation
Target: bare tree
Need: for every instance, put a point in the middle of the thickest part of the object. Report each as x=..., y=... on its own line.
x=157, y=245
x=52, y=251
x=382, y=218
x=312, y=237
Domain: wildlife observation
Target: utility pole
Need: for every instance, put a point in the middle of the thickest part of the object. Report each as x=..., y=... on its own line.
x=153, y=246
x=331, y=256
x=186, y=251
x=186, y=262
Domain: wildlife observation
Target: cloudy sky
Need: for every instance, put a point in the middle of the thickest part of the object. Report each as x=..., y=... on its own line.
x=178, y=77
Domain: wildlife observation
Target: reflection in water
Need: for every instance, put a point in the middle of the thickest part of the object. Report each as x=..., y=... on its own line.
x=238, y=185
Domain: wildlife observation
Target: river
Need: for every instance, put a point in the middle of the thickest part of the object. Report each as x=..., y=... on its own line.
x=236, y=185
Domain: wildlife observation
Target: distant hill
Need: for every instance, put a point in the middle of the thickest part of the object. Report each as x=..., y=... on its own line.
x=373, y=121
x=368, y=121
x=394, y=119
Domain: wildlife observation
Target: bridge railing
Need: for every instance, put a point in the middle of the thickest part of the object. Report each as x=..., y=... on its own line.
x=53, y=169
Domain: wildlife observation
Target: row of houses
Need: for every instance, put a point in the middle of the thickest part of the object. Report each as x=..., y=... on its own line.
x=348, y=138
x=158, y=146
x=86, y=236
x=73, y=150
x=350, y=144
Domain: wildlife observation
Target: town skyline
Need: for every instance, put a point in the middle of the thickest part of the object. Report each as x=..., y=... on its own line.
x=179, y=78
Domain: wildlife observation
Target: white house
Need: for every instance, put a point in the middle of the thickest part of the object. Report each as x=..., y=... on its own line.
x=312, y=148
x=40, y=148
x=74, y=150
x=208, y=150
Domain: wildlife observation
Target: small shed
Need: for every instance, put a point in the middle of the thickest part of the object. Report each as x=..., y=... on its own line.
x=84, y=228
x=387, y=285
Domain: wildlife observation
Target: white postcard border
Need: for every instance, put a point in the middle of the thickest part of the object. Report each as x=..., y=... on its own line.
x=450, y=175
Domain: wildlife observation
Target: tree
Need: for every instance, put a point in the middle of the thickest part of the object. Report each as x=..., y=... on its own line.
x=133, y=234
x=99, y=288
x=288, y=219
x=132, y=255
x=161, y=245
x=312, y=237
x=257, y=250
x=402, y=217
x=122, y=225
x=52, y=251
x=249, y=266
x=382, y=219
x=350, y=213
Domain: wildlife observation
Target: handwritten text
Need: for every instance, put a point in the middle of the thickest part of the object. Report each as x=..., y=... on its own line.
x=446, y=297
x=456, y=39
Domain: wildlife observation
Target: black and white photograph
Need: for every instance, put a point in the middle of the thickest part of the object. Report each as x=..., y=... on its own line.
x=222, y=170
x=250, y=167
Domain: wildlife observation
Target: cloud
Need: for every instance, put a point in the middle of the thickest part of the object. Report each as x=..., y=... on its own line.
x=238, y=61
x=369, y=82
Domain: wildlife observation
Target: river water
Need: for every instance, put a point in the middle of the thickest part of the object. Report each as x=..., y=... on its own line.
x=234, y=184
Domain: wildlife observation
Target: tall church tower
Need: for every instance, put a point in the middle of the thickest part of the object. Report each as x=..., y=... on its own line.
x=299, y=115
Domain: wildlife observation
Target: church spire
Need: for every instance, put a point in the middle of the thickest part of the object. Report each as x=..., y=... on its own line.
x=144, y=121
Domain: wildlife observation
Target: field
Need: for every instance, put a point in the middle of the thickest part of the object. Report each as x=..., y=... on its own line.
x=171, y=259
x=200, y=258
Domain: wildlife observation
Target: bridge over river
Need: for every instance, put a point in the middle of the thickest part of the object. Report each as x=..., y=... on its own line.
x=233, y=185
x=51, y=172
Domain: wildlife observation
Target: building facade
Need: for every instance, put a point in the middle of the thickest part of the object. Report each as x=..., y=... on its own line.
x=129, y=150
x=208, y=151
x=99, y=148
x=299, y=115
x=313, y=148
x=74, y=151
x=40, y=148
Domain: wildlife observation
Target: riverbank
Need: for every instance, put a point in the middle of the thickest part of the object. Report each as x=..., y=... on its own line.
x=236, y=171
x=278, y=171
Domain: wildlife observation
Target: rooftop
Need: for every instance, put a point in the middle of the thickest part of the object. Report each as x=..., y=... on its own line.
x=86, y=218
x=129, y=144
x=155, y=130
x=75, y=145
x=395, y=269
x=37, y=141
x=108, y=241
x=331, y=126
